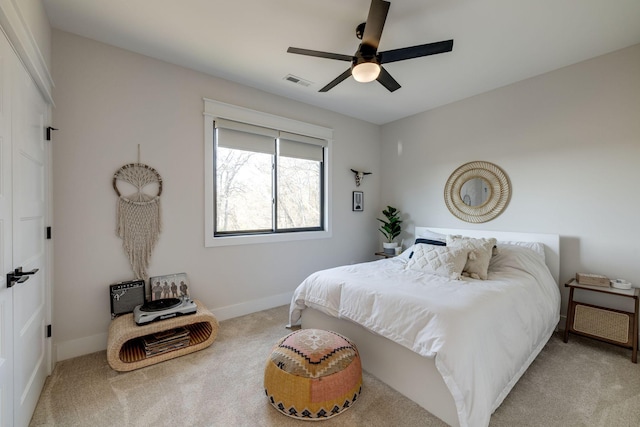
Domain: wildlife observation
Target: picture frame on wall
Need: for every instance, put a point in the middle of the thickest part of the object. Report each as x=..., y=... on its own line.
x=169, y=286
x=358, y=201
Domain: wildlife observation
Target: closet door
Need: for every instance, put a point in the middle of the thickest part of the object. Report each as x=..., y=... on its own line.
x=6, y=293
x=29, y=115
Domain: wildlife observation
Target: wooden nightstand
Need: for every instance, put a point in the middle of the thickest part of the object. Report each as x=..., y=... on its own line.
x=385, y=255
x=602, y=323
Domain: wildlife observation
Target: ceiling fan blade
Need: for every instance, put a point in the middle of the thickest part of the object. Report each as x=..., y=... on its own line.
x=387, y=81
x=320, y=54
x=375, y=23
x=337, y=80
x=415, y=51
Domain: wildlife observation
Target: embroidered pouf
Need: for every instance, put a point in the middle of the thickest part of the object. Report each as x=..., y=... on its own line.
x=313, y=374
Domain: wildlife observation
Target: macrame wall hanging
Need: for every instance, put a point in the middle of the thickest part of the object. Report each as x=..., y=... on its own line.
x=138, y=214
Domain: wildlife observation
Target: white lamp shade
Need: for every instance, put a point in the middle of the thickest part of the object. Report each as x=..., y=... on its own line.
x=366, y=72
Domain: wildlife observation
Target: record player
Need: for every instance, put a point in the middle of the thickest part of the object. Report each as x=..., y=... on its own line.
x=162, y=309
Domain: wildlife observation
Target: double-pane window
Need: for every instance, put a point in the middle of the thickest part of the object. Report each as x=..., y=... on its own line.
x=266, y=180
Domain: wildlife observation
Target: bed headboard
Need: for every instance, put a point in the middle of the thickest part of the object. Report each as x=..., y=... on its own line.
x=551, y=242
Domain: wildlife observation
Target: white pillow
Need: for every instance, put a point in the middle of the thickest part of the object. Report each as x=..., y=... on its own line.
x=516, y=256
x=534, y=246
x=432, y=235
x=480, y=252
x=438, y=260
x=406, y=254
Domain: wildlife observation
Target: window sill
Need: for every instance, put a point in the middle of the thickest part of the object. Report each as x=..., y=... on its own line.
x=211, y=242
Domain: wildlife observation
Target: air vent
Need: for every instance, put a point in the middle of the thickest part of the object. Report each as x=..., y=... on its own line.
x=297, y=80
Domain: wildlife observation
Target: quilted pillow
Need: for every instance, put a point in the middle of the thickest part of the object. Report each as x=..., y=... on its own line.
x=480, y=252
x=439, y=260
x=428, y=242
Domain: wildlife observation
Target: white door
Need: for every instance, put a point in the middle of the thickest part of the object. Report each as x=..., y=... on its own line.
x=29, y=116
x=6, y=293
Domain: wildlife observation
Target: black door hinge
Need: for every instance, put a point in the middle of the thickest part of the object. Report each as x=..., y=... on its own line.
x=49, y=129
x=48, y=233
x=48, y=331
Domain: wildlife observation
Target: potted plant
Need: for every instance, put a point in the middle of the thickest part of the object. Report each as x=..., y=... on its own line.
x=391, y=228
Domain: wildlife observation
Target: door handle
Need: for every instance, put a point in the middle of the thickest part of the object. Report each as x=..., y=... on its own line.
x=19, y=276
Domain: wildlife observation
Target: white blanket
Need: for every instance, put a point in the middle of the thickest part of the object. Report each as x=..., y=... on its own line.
x=483, y=334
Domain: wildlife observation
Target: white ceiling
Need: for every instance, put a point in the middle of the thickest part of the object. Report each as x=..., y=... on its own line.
x=496, y=42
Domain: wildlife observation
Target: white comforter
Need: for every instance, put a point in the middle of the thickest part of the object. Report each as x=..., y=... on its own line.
x=483, y=334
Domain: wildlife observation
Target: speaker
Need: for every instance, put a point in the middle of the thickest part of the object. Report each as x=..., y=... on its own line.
x=125, y=296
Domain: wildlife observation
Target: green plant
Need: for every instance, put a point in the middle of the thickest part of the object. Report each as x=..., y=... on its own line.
x=391, y=227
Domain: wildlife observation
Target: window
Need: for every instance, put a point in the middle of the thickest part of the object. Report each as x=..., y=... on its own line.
x=266, y=178
x=299, y=183
x=266, y=181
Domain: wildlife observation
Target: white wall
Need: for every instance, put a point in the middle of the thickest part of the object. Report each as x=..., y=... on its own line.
x=35, y=17
x=108, y=100
x=569, y=141
x=27, y=27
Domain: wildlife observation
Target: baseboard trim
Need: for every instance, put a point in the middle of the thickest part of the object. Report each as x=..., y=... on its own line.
x=244, y=308
x=81, y=346
x=91, y=344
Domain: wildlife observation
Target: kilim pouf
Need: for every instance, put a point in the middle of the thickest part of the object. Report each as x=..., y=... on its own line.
x=313, y=374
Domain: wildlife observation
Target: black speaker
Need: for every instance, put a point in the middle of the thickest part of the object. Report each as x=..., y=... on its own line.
x=125, y=296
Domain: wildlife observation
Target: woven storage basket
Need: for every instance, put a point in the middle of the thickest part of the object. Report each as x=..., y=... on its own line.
x=602, y=323
x=313, y=374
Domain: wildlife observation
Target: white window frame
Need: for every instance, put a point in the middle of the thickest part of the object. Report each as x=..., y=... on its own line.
x=215, y=109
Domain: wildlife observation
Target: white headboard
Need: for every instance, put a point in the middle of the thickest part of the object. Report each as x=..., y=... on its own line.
x=551, y=242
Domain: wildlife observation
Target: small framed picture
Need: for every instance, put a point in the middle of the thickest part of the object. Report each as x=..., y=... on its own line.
x=169, y=286
x=358, y=201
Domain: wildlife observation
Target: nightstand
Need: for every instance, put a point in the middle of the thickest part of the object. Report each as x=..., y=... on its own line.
x=385, y=255
x=605, y=324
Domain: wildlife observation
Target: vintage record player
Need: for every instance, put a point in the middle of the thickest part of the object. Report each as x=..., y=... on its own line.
x=162, y=309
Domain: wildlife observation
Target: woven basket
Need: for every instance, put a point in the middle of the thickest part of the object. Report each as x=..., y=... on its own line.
x=602, y=323
x=313, y=374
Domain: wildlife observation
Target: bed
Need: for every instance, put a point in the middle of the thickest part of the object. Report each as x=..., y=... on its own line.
x=455, y=347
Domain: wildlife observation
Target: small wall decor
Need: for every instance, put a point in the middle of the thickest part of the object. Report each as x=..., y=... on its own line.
x=138, y=214
x=169, y=286
x=359, y=176
x=358, y=201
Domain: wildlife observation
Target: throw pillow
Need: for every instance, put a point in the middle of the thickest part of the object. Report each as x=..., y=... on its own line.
x=439, y=260
x=480, y=252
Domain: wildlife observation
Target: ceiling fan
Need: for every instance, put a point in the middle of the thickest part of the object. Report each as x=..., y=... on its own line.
x=366, y=64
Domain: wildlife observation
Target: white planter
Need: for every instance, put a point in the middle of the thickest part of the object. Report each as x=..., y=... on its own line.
x=390, y=248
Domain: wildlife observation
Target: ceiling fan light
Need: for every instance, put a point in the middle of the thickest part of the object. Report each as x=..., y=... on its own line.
x=366, y=72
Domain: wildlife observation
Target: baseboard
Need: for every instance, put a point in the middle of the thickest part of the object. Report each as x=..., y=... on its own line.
x=562, y=323
x=244, y=308
x=81, y=346
x=91, y=344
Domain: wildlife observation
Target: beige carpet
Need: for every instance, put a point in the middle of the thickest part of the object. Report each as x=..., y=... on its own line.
x=582, y=383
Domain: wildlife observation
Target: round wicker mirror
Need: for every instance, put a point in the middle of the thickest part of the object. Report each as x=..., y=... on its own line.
x=477, y=192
